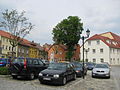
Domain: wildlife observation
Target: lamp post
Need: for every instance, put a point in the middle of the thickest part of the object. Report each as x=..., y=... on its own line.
x=83, y=39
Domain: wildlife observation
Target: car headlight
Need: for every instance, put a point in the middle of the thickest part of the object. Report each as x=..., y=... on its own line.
x=40, y=74
x=107, y=72
x=77, y=71
x=56, y=76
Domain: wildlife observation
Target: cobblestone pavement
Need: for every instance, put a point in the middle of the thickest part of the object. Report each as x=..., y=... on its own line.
x=89, y=83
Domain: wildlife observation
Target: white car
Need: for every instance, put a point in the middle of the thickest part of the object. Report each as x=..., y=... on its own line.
x=101, y=70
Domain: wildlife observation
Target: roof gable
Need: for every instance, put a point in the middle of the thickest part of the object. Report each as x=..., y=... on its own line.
x=108, y=35
x=109, y=38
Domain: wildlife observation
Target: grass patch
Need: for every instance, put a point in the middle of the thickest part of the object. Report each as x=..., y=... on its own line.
x=4, y=71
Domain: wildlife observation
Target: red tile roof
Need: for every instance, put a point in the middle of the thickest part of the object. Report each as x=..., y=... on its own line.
x=113, y=42
x=5, y=34
x=23, y=42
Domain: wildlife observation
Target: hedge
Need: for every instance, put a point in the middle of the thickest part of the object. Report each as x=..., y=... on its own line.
x=4, y=71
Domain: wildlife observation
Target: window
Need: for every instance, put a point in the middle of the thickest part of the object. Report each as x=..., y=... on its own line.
x=114, y=60
x=94, y=60
x=29, y=61
x=94, y=51
x=40, y=62
x=3, y=47
x=118, y=61
x=6, y=47
x=27, y=51
x=9, y=48
x=19, y=50
x=22, y=50
x=113, y=51
x=110, y=60
x=60, y=52
x=98, y=42
x=35, y=62
x=102, y=60
x=101, y=50
x=89, y=42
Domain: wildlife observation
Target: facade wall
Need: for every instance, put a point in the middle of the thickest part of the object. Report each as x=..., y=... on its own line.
x=114, y=56
x=56, y=53
x=6, y=46
x=22, y=51
x=98, y=51
x=33, y=52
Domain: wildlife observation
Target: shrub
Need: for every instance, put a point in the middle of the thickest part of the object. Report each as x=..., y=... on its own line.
x=4, y=71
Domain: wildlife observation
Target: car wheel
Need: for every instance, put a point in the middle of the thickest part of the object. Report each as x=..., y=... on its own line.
x=93, y=76
x=74, y=76
x=42, y=82
x=32, y=76
x=64, y=80
x=109, y=77
x=14, y=76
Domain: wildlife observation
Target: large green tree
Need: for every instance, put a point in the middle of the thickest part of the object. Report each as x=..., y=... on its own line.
x=68, y=32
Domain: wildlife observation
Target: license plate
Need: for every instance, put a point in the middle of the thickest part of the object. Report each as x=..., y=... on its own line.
x=46, y=78
x=14, y=74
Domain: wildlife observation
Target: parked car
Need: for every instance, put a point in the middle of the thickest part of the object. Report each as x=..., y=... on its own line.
x=57, y=73
x=4, y=61
x=26, y=67
x=101, y=70
x=79, y=69
x=90, y=65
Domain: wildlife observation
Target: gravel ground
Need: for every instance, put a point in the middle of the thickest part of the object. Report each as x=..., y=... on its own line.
x=89, y=83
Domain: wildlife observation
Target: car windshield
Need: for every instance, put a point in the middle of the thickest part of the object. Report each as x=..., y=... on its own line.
x=101, y=66
x=90, y=64
x=57, y=66
x=77, y=65
x=18, y=60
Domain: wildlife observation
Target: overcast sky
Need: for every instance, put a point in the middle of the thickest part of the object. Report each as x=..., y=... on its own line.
x=98, y=15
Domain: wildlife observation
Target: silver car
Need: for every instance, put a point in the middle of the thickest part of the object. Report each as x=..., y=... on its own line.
x=101, y=70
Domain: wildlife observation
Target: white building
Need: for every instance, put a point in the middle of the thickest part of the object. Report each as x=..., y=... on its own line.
x=102, y=48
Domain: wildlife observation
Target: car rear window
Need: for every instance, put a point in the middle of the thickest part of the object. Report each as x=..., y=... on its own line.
x=18, y=60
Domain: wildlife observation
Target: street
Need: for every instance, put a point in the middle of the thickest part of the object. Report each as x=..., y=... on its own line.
x=89, y=83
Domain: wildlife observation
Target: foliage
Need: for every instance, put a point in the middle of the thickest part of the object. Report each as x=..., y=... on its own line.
x=17, y=25
x=68, y=32
x=4, y=71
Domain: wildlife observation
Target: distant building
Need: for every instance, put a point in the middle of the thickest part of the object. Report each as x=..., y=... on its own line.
x=58, y=52
x=103, y=47
x=24, y=48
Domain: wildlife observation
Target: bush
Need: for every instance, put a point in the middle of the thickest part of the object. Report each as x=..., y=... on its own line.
x=4, y=71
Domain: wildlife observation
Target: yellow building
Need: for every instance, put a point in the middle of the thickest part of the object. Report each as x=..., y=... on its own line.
x=33, y=50
x=5, y=46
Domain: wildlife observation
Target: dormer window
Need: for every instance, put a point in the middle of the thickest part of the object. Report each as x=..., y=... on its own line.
x=98, y=42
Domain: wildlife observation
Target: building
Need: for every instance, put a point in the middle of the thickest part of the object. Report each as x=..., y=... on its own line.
x=103, y=47
x=58, y=52
x=24, y=48
x=5, y=45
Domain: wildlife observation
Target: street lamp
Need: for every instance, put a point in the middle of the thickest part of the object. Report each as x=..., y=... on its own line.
x=83, y=38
